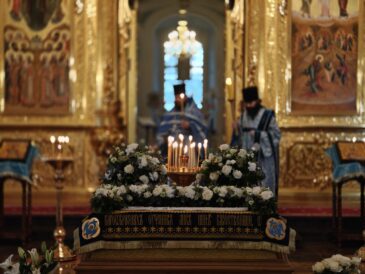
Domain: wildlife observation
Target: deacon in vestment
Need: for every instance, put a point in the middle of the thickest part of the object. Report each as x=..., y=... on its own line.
x=185, y=118
x=257, y=129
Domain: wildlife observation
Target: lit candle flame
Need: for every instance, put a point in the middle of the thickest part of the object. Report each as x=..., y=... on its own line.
x=52, y=139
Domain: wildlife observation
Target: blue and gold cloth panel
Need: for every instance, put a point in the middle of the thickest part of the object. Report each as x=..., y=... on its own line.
x=344, y=171
x=19, y=169
x=108, y=230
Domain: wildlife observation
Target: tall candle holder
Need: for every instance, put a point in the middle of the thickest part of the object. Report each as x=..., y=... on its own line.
x=183, y=159
x=60, y=161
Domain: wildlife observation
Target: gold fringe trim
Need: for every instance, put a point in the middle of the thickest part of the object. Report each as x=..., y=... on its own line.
x=76, y=240
x=188, y=244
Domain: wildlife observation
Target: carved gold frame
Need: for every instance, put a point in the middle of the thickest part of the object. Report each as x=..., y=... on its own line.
x=268, y=65
x=361, y=56
x=84, y=91
x=285, y=115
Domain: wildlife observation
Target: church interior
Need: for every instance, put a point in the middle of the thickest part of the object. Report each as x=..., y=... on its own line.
x=78, y=77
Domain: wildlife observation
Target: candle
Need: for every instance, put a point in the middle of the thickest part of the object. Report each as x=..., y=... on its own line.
x=174, y=146
x=205, y=148
x=199, y=150
x=230, y=95
x=53, y=140
x=193, y=160
x=170, y=140
x=182, y=96
x=180, y=153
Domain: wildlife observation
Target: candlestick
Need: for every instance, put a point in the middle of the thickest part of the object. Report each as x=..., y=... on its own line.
x=170, y=140
x=205, y=148
x=199, y=151
x=182, y=96
x=230, y=94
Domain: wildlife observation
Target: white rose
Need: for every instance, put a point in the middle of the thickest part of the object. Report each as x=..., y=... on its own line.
x=155, y=161
x=133, y=188
x=345, y=261
x=129, y=198
x=228, y=155
x=251, y=166
x=214, y=176
x=335, y=266
x=356, y=260
x=190, y=192
x=242, y=153
x=236, y=191
x=131, y=148
x=129, y=169
x=318, y=267
x=144, y=179
x=256, y=190
x=223, y=147
x=207, y=194
x=147, y=194
x=163, y=170
x=142, y=162
x=121, y=190
x=154, y=176
x=226, y=170
x=223, y=191
x=237, y=174
x=157, y=191
x=232, y=151
x=249, y=190
x=266, y=195
x=169, y=191
x=181, y=190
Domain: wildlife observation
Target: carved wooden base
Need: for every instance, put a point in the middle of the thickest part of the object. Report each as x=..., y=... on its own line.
x=164, y=261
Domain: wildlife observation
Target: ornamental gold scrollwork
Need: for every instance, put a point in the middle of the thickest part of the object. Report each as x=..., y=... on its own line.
x=303, y=161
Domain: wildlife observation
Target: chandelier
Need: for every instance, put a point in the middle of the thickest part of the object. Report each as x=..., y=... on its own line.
x=181, y=41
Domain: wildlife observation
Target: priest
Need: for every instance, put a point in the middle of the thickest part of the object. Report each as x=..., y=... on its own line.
x=185, y=118
x=257, y=129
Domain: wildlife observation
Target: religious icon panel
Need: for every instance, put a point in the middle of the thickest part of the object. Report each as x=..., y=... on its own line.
x=36, y=58
x=324, y=56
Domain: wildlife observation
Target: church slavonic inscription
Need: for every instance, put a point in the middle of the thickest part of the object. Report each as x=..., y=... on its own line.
x=160, y=219
x=123, y=220
x=234, y=220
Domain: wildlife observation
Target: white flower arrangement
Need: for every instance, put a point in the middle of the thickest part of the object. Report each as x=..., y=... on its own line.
x=337, y=264
x=230, y=166
x=136, y=177
x=134, y=164
x=108, y=198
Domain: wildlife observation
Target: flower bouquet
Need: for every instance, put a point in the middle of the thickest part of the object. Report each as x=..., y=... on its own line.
x=131, y=168
x=337, y=264
x=30, y=262
x=135, y=177
x=231, y=166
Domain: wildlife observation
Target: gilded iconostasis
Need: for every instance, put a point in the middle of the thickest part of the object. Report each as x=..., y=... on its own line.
x=94, y=71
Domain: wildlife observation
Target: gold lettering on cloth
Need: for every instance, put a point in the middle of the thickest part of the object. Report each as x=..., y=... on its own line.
x=185, y=219
x=204, y=219
x=160, y=219
x=123, y=220
x=234, y=220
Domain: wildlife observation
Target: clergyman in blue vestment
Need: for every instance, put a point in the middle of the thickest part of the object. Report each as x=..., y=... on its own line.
x=185, y=118
x=257, y=128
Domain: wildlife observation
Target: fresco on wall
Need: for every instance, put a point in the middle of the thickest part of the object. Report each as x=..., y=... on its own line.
x=324, y=50
x=36, y=63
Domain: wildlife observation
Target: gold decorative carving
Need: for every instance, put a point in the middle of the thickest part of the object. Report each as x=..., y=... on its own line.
x=303, y=162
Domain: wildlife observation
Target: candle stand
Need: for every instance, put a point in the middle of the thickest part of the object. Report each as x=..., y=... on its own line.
x=59, y=163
